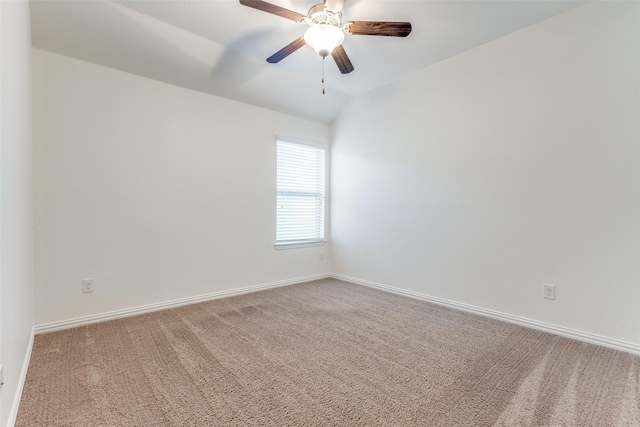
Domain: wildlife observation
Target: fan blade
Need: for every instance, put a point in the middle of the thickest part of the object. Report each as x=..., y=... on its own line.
x=272, y=8
x=373, y=28
x=342, y=60
x=286, y=51
x=334, y=6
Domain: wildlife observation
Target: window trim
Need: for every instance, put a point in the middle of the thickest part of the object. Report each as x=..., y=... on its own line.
x=283, y=245
x=296, y=245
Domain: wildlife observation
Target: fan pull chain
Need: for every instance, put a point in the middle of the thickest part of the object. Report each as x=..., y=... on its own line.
x=323, y=74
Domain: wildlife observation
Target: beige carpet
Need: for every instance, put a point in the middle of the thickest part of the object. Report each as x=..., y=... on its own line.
x=323, y=353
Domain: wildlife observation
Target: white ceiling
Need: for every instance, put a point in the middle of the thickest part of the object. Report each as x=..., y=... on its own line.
x=219, y=46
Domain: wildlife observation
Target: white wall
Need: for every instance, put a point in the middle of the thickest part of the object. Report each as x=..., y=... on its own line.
x=16, y=218
x=512, y=165
x=155, y=191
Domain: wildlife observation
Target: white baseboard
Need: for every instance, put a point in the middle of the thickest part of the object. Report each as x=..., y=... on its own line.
x=13, y=412
x=133, y=311
x=518, y=320
x=510, y=318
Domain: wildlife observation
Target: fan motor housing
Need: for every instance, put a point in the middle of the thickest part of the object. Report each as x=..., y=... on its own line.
x=318, y=14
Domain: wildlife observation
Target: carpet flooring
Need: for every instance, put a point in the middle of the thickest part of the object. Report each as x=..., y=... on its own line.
x=323, y=353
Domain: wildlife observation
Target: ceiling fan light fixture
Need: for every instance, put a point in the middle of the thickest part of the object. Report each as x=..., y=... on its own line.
x=323, y=38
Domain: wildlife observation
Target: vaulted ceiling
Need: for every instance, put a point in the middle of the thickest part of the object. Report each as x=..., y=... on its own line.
x=219, y=46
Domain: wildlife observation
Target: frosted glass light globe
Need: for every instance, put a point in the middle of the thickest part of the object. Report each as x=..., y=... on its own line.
x=323, y=38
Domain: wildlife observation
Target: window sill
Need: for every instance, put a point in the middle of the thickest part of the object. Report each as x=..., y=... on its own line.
x=297, y=245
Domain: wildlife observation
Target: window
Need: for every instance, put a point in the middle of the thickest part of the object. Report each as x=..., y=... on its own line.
x=300, y=194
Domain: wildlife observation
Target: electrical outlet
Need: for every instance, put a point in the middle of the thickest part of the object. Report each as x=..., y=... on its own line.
x=87, y=286
x=549, y=291
x=321, y=255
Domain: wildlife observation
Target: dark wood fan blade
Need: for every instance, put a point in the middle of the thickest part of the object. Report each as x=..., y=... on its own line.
x=286, y=51
x=373, y=28
x=272, y=8
x=342, y=60
x=334, y=6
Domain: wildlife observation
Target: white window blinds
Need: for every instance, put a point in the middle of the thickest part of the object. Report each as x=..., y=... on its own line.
x=300, y=198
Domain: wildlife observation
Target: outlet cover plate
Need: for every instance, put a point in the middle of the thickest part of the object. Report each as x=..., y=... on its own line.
x=87, y=286
x=549, y=291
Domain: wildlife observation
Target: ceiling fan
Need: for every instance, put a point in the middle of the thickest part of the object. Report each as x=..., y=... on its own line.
x=326, y=30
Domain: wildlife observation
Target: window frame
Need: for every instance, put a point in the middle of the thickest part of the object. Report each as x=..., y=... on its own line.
x=292, y=244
